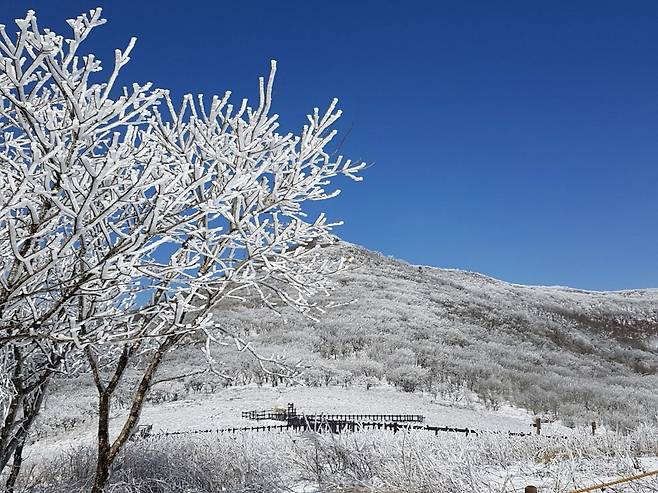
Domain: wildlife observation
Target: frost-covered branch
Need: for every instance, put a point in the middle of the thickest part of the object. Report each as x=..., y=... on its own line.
x=131, y=196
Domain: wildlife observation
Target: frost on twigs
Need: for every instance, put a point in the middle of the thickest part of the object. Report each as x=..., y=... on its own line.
x=126, y=215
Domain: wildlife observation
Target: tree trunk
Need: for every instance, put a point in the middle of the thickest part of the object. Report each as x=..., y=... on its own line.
x=16, y=465
x=17, y=425
x=30, y=378
x=8, y=431
x=103, y=456
x=107, y=453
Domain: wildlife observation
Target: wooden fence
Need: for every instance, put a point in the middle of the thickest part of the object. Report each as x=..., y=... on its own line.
x=302, y=425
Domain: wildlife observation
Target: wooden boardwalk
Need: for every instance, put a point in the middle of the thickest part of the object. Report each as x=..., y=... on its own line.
x=290, y=414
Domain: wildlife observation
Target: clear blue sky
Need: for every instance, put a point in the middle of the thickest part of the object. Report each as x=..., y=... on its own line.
x=516, y=139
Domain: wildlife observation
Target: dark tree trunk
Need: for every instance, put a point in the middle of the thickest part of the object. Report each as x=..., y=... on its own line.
x=107, y=452
x=23, y=410
x=16, y=465
x=9, y=431
x=103, y=457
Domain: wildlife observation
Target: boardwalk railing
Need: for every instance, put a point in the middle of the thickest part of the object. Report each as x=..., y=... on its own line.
x=282, y=415
x=276, y=415
x=361, y=418
x=273, y=414
x=290, y=414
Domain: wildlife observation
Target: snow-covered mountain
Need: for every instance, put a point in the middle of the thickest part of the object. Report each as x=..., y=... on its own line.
x=566, y=353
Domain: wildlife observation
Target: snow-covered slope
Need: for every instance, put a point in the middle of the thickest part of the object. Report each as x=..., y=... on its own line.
x=574, y=354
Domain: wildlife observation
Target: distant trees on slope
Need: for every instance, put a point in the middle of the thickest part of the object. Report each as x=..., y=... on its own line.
x=449, y=336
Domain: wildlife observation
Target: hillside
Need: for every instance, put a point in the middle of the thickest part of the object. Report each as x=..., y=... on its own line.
x=563, y=353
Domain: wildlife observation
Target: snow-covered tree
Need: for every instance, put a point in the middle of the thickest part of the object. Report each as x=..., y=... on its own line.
x=127, y=218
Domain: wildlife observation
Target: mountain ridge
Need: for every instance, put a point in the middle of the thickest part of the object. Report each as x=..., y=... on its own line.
x=560, y=287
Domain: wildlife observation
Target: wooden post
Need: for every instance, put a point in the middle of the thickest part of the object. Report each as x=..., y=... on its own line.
x=530, y=489
x=537, y=426
x=593, y=427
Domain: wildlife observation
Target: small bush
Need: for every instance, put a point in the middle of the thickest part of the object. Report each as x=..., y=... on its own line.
x=166, y=465
x=408, y=377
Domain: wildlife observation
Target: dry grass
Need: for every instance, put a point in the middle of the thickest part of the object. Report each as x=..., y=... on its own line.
x=373, y=462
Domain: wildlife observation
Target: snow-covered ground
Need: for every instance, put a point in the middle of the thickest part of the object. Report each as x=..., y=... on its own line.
x=224, y=408
x=400, y=463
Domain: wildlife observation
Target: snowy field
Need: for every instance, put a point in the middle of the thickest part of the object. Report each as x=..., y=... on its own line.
x=372, y=461
x=375, y=462
x=223, y=409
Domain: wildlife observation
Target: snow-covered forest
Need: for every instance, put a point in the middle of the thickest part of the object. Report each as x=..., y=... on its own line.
x=563, y=354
